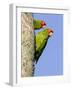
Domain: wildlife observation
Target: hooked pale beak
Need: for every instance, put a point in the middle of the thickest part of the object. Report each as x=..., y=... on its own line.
x=50, y=32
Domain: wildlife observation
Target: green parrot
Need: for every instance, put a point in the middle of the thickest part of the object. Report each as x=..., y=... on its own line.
x=40, y=41
x=37, y=24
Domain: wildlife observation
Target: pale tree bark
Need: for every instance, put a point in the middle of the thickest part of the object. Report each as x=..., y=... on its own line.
x=27, y=45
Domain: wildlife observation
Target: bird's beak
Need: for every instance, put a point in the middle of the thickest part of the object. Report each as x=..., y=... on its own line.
x=50, y=31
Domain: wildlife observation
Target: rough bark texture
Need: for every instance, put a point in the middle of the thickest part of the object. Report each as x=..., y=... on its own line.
x=27, y=45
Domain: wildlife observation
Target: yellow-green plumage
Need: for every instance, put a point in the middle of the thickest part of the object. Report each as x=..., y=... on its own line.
x=40, y=41
x=37, y=24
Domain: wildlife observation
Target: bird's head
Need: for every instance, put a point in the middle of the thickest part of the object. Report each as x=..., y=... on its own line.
x=43, y=24
x=50, y=32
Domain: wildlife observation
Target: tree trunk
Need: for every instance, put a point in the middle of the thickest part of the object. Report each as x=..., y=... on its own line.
x=27, y=45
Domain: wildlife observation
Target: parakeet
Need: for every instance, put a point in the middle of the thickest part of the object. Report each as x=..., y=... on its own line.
x=38, y=24
x=40, y=41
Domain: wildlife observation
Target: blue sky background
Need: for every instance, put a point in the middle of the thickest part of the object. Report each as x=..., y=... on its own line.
x=51, y=61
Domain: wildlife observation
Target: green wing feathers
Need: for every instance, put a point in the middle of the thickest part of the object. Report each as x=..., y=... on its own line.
x=37, y=24
x=41, y=41
x=41, y=37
